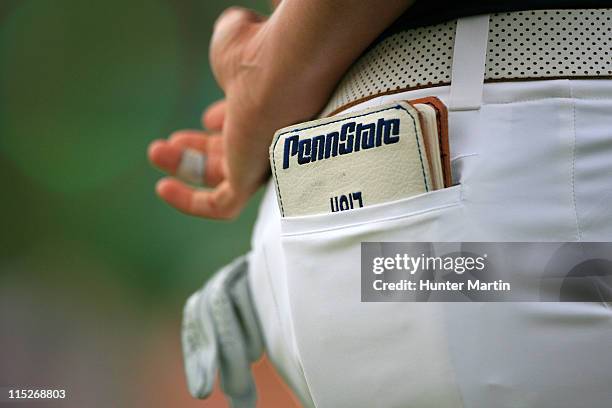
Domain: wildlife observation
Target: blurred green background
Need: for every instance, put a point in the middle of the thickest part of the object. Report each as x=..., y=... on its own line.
x=94, y=269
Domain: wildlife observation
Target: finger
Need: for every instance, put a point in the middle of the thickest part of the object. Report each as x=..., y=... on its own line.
x=211, y=146
x=196, y=139
x=164, y=156
x=169, y=155
x=214, y=116
x=233, y=18
x=221, y=203
x=231, y=29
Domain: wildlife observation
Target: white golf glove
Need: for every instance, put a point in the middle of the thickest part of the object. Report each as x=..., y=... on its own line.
x=221, y=332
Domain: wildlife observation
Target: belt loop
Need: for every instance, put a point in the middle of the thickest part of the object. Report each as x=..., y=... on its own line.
x=469, y=58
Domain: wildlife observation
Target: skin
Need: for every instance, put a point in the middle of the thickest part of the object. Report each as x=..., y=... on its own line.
x=274, y=72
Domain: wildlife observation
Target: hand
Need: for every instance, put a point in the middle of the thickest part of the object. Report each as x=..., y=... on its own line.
x=235, y=173
x=167, y=155
x=274, y=72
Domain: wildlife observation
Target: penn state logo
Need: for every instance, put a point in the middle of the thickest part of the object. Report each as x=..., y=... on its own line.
x=351, y=137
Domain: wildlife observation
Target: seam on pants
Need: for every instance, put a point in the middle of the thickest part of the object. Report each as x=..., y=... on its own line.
x=452, y=363
x=573, y=179
x=547, y=99
x=278, y=317
x=269, y=279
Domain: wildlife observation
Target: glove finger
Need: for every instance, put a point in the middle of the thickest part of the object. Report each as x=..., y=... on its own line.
x=234, y=364
x=242, y=300
x=200, y=351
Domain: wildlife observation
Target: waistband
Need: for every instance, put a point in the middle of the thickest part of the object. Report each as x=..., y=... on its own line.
x=516, y=46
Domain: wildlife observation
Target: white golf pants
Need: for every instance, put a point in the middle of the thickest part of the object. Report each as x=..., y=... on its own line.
x=534, y=163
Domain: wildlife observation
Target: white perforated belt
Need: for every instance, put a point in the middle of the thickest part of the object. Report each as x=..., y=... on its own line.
x=524, y=45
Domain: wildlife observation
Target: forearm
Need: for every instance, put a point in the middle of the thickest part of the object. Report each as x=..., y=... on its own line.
x=315, y=41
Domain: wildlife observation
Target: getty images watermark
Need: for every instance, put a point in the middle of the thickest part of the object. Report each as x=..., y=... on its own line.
x=486, y=272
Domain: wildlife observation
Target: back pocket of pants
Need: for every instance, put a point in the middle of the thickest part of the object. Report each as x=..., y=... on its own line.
x=335, y=331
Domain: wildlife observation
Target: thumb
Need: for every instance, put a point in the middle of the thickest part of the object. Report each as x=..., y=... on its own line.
x=231, y=32
x=233, y=18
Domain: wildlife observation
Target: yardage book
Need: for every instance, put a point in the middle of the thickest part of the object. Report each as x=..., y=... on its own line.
x=369, y=157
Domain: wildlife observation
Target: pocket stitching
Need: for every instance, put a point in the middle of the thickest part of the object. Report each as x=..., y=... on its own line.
x=452, y=203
